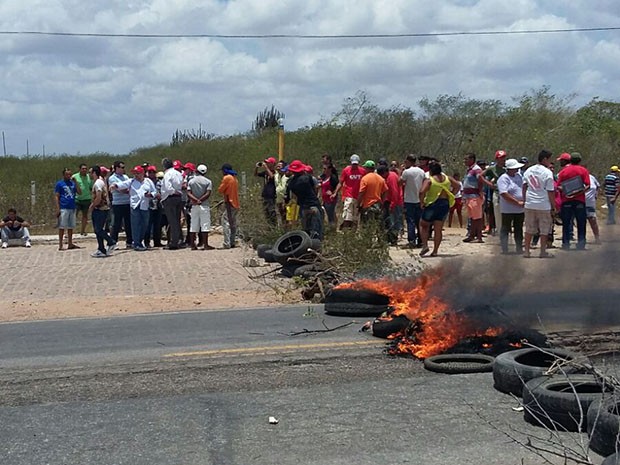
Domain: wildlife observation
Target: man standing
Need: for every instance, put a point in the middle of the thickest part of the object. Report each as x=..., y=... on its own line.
x=269, y=187
x=393, y=207
x=141, y=191
x=229, y=188
x=65, y=193
x=612, y=190
x=412, y=179
x=350, y=180
x=472, y=195
x=83, y=198
x=153, y=230
x=14, y=227
x=510, y=193
x=573, y=182
x=490, y=177
x=373, y=190
x=99, y=209
x=171, y=199
x=121, y=212
x=198, y=191
x=539, y=203
x=303, y=185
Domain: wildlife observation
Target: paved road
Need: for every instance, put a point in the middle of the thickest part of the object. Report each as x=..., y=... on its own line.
x=198, y=388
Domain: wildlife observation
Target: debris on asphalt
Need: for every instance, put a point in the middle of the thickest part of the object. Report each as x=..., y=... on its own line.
x=273, y=421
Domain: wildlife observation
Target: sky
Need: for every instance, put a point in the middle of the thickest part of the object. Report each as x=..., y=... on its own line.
x=81, y=95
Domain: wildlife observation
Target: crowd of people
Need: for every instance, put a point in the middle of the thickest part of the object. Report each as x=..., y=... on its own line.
x=415, y=197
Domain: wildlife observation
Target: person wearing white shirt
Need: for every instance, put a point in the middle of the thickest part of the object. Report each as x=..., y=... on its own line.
x=172, y=201
x=591, y=195
x=412, y=178
x=510, y=191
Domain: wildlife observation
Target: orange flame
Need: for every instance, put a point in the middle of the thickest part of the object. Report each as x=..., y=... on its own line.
x=415, y=299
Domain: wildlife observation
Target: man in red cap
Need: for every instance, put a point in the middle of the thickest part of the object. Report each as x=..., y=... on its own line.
x=171, y=192
x=153, y=231
x=573, y=182
x=490, y=177
x=267, y=172
x=189, y=170
x=303, y=185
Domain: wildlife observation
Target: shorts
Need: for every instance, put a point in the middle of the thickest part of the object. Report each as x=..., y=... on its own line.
x=82, y=206
x=436, y=211
x=458, y=204
x=66, y=220
x=350, y=212
x=538, y=221
x=590, y=212
x=201, y=219
x=474, y=207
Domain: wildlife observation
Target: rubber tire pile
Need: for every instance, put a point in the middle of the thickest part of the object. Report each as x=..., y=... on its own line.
x=295, y=251
x=570, y=402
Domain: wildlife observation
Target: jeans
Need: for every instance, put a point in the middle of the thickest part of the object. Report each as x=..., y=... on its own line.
x=393, y=222
x=413, y=213
x=512, y=221
x=330, y=211
x=577, y=210
x=611, y=209
x=269, y=206
x=153, y=230
x=99, y=218
x=139, y=225
x=312, y=222
x=121, y=215
x=173, y=207
x=22, y=233
x=229, y=225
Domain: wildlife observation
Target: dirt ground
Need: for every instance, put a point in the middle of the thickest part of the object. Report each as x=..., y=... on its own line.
x=44, y=283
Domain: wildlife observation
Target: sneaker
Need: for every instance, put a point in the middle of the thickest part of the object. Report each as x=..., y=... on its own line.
x=98, y=254
x=28, y=244
x=5, y=245
x=111, y=248
x=140, y=248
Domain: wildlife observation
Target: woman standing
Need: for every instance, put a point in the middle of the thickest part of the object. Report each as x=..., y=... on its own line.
x=329, y=182
x=437, y=197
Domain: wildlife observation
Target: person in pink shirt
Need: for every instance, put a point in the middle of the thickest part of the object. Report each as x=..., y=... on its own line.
x=350, y=180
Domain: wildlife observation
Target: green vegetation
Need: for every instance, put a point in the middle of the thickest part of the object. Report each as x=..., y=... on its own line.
x=446, y=128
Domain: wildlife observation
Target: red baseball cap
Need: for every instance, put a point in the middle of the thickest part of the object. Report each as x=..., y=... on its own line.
x=296, y=166
x=270, y=160
x=565, y=156
x=500, y=154
x=190, y=166
x=176, y=164
x=151, y=168
x=104, y=169
x=137, y=169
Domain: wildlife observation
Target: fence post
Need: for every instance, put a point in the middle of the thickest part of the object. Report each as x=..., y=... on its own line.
x=244, y=184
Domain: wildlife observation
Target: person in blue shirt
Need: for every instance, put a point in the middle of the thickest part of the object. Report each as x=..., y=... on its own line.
x=65, y=192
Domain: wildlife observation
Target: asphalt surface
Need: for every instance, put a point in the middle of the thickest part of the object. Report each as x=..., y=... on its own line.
x=199, y=388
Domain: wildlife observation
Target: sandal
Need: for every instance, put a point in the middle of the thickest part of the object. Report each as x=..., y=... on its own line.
x=73, y=246
x=424, y=251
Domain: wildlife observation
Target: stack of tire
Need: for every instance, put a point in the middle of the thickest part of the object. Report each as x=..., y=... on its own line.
x=568, y=401
x=350, y=302
x=292, y=250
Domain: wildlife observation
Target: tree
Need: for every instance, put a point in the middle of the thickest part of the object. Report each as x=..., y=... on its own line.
x=267, y=119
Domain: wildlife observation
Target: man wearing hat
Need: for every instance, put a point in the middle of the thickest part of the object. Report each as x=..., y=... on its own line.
x=573, y=182
x=171, y=199
x=612, y=190
x=267, y=172
x=199, y=190
x=302, y=184
x=153, y=230
x=490, y=177
x=350, y=180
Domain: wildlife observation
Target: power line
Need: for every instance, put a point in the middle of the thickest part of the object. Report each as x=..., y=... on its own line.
x=314, y=36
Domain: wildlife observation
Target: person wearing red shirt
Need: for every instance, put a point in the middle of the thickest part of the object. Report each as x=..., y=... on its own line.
x=394, y=205
x=373, y=190
x=573, y=182
x=350, y=180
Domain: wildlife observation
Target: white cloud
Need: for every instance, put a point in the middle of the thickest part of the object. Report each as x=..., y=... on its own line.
x=91, y=94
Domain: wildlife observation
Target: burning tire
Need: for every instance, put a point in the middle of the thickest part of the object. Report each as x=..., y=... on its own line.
x=349, y=295
x=513, y=369
x=561, y=402
x=292, y=244
x=354, y=309
x=261, y=249
x=384, y=328
x=612, y=459
x=459, y=363
x=604, y=426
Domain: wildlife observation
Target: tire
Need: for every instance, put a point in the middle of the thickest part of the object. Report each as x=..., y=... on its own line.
x=354, y=309
x=293, y=244
x=513, y=369
x=310, y=268
x=268, y=256
x=551, y=401
x=384, y=328
x=288, y=271
x=356, y=295
x=261, y=248
x=604, y=426
x=612, y=459
x=315, y=244
x=459, y=363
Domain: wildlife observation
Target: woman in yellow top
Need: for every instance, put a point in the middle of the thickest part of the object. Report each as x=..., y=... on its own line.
x=437, y=196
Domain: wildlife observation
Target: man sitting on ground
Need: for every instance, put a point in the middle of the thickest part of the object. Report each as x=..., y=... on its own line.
x=14, y=227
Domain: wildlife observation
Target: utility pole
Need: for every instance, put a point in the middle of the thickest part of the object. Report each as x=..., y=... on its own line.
x=3, y=143
x=27, y=148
